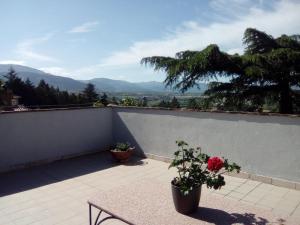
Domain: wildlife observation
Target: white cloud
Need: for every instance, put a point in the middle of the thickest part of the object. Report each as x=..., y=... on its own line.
x=26, y=50
x=18, y=62
x=284, y=18
x=124, y=72
x=133, y=73
x=84, y=28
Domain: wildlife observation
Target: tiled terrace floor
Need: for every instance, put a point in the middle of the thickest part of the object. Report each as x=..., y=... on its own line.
x=57, y=193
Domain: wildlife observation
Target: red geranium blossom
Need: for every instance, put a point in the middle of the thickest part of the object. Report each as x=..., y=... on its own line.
x=215, y=164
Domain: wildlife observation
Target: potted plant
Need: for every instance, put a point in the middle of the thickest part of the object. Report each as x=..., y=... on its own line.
x=122, y=151
x=195, y=169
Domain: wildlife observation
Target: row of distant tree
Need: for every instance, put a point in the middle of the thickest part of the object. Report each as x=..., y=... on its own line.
x=174, y=103
x=44, y=94
x=143, y=102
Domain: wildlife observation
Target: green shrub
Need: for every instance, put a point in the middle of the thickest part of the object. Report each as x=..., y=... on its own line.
x=122, y=146
x=128, y=101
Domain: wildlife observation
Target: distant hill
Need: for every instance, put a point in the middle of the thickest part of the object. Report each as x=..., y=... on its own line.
x=34, y=75
x=160, y=87
x=109, y=85
x=102, y=84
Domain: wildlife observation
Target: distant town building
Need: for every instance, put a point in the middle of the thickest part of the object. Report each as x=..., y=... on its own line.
x=11, y=102
x=14, y=100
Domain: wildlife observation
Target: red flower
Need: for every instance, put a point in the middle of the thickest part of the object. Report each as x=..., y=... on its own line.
x=215, y=164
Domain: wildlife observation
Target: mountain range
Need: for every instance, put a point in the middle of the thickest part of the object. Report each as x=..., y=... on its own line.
x=101, y=84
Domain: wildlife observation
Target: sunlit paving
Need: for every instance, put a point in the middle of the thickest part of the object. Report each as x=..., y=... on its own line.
x=138, y=191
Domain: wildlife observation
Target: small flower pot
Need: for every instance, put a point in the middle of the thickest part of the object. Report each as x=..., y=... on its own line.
x=186, y=204
x=122, y=156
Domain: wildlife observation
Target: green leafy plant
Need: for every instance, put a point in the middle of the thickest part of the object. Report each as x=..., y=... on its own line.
x=128, y=101
x=122, y=147
x=196, y=168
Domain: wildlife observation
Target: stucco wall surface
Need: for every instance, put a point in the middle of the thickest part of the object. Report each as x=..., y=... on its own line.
x=263, y=145
x=28, y=137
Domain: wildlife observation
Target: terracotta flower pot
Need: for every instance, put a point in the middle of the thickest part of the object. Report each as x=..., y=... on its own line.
x=186, y=204
x=122, y=156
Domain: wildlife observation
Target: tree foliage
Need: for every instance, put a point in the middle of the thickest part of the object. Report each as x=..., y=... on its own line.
x=173, y=103
x=192, y=104
x=129, y=101
x=103, y=99
x=114, y=101
x=1, y=91
x=90, y=93
x=144, y=102
x=268, y=69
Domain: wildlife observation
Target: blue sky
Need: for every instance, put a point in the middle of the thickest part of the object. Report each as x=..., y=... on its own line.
x=85, y=39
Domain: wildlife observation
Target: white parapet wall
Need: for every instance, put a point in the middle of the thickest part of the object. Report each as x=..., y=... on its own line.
x=28, y=138
x=266, y=146
x=262, y=144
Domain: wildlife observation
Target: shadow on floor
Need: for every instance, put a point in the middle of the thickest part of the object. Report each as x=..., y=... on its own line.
x=220, y=217
x=26, y=179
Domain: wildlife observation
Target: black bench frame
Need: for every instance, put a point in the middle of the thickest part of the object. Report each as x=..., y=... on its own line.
x=98, y=220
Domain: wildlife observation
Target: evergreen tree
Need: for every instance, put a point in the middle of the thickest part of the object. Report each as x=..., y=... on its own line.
x=205, y=103
x=15, y=84
x=43, y=93
x=1, y=85
x=63, y=97
x=144, y=102
x=192, y=104
x=1, y=92
x=81, y=99
x=174, y=103
x=103, y=99
x=114, y=101
x=30, y=97
x=269, y=68
x=90, y=93
x=73, y=99
x=53, y=96
x=164, y=104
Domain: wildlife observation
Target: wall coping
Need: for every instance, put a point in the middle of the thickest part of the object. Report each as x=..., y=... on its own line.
x=208, y=111
x=158, y=108
x=52, y=109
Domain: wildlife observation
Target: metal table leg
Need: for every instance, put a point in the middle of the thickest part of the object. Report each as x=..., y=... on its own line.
x=97, y=221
